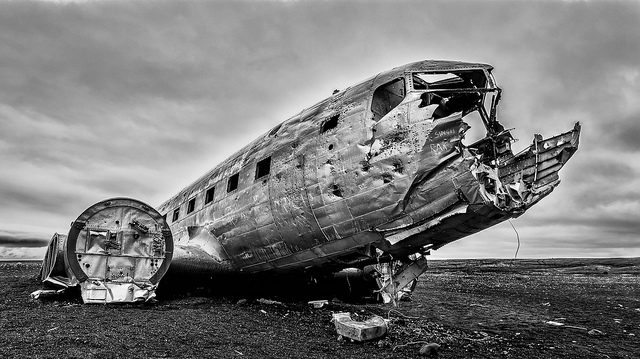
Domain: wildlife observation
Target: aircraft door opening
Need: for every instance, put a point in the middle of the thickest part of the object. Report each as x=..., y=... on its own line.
x=387, y=97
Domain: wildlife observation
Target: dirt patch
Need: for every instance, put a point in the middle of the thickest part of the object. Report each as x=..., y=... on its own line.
x=477, y=309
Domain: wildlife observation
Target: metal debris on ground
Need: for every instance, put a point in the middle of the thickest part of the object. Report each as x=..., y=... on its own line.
x=372, y=328
x=317, y=304
x=45, y=293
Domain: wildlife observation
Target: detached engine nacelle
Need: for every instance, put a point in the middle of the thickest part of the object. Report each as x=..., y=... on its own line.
x=117, y=251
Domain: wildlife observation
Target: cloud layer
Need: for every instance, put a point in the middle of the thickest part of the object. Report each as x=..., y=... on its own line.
x=102, y=99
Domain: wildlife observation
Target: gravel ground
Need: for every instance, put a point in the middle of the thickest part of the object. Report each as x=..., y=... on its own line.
x=475, y=309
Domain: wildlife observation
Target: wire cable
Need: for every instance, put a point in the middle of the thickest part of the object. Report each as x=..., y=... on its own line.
x=518, y=237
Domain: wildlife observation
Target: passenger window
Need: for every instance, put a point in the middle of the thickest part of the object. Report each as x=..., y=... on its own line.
x=387, y=97
x=233, y=182
x=191, y=205
x=263, y=167
x=208, y=197
x=176, y=214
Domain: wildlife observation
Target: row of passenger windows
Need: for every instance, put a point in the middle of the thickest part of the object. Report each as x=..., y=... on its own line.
x=262, y=169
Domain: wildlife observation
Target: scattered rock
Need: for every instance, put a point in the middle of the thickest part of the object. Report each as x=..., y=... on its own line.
x=430, y=349
x=241, y=302
x=269, y=302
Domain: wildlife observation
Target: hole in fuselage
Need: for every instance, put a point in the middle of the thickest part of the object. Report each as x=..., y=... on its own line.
x=336, y=190
x=330, y=123
x=476, y=131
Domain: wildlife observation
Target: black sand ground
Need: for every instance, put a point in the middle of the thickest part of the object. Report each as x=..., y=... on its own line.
x=475, y=309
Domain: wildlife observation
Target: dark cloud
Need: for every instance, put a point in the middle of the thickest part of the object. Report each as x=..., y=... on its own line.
x=22, y=239
x=612, y=230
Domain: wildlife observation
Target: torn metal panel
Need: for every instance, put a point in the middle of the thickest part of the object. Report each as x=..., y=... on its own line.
x=369, y=329
x=102, y=292
x=402, y=234
x=53, y=270
x=46, y=293
x=395, y=282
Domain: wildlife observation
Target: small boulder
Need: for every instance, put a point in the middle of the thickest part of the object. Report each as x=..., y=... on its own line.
x=430, y=349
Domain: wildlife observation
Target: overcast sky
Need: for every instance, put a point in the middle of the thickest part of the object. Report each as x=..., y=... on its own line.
x=139, y=98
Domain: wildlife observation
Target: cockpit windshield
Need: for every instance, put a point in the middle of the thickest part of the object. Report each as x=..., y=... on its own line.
x=459, y=91
x=435, y=80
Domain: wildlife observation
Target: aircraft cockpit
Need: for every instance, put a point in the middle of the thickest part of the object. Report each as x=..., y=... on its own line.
x=472, y=93
x=463, y=91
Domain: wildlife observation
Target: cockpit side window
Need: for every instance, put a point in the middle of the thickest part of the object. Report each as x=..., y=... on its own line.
x=387, y=97
x=450, y=80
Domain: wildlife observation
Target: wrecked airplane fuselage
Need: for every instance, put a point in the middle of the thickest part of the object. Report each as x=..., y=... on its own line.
x=382, y=171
